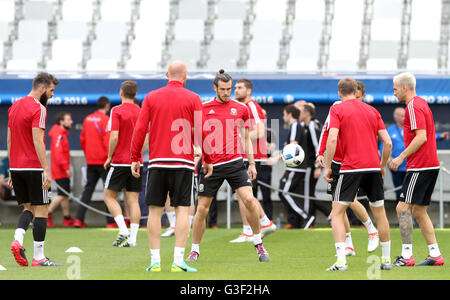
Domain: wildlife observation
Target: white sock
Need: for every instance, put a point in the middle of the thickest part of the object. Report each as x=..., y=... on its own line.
x=407, y=251
x=155, y=256
x=386, y=249
x=178, y=256
x=19, y=235
x=257, y=239
x=191, y=220
x=195, y=248
x=172, y=218
x=38, y=251
x=340, y=252
x=134, y=228
x=369, y=226
x=247, y=230
x=348, y=240
x=434, y=250
x=264, y=221
x=120, y=221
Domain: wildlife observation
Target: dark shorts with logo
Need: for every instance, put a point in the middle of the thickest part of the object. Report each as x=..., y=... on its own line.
x=235, y=173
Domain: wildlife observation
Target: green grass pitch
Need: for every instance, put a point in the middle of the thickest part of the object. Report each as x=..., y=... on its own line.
x=294, y=255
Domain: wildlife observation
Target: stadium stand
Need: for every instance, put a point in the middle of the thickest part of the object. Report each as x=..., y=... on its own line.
x=251, y=35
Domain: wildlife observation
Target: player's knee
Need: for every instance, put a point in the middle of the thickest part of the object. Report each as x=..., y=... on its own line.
x=418, y=212
x=202, y=210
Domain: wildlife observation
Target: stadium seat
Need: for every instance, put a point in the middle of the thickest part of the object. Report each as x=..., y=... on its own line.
x=145, y=55
x=1, y=53
x=27, y=50
x=72, y=30
x=4, y=31
x=425, y=31
x=66, y=55
x=187, y=51
x=113, y=10
x=189, y=29
x=21, y=65
x=300, y=64
x=263, y=56
x=192, y=9
x=385, y=33
x=381, y=64
x=270, y=10
x=149, y=29
x=305, y=41
x=33, y=30
x=7, y=10
x=346, y=35
x=112, y=31
x=223, y=54
x=77, y=10
x=310, y=10
x=101, y=65
x=157, y=11
x=422, y=64
x=425, y=20
x=228, y=29
x=231, y=9
x=38, y=10
x=104, y=49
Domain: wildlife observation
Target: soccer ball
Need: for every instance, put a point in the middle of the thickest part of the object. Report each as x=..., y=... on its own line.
x=293, y=155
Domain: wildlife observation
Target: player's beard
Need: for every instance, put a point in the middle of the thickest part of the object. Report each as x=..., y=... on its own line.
x=44, y=99
x=221, y=100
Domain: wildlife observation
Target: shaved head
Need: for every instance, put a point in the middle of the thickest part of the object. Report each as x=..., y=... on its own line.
x=177, y=71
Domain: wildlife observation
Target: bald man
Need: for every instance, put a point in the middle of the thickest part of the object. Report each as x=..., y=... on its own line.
x=172, y=112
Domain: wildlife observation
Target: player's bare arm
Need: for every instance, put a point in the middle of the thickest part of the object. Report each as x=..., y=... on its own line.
x=38, y=141
x=416, y=143
x=248, y=148
x=113, y=139
x=331, y=150
x=8, y=142
x=384, y=137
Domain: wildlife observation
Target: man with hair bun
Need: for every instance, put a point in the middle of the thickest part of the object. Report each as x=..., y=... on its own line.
x=230, y=120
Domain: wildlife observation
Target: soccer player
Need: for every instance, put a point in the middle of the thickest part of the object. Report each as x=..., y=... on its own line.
x=355, y=206
x=121, y=124
x=229, y=118
x=94, y=141
x=29, y=170
x=292, y=180
x=352, y=120
x=422, y=169
x=60, y=165
x=172, y=112
x=243, y=93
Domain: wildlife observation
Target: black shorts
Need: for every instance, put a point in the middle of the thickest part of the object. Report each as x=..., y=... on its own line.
x=119, y=178
x=65, y=184
x=233, y=172
x=179, y=183
x=331, y=186
x=348, y=185
x=418, y=187
x=28, y=187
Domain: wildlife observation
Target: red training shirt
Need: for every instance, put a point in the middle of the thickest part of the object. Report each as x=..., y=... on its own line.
x=358, y=125
x=259, y=145
x=123, y=119
x=171, y=112
x=225, y=120
x=59, y=152
x=23, y=115
x=94, y=139
x=323, y=140
x=419, y=116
